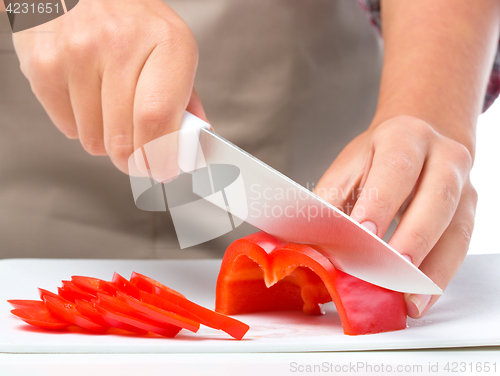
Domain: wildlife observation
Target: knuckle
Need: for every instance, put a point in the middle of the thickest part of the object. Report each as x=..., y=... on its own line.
x=120, y=34
x=441, y=274
x=93, y=146
x=463, y=231
x=178, y=38
x=380, y=205
x=41, y=67
x=404, y=125
x=472, y=192
x=461, y=155
x=80, y=46
x=120, y=148
x=418, y=241
x=417, y=127
x=448, y=196
x=153, y=116
x=24, y=68
x=400, y=164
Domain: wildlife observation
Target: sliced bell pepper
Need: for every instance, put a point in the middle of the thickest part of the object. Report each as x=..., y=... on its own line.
x=122, y=284
x=158, y=314
x=262, y=273
x=70, y=292
x=64, y=310
x=99, y=305
x=93, y=285
x=87, y=309
x=44, y=293
x=40, y=317
x=150, y=285
x=111, y=316
x=165, y=298
x=21, y=304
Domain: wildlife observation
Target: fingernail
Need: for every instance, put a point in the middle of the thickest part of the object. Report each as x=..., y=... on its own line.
x=408, y=257
x=420, y=301
x=370, y=226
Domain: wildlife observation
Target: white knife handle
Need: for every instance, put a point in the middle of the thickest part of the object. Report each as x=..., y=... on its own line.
x=189, y=142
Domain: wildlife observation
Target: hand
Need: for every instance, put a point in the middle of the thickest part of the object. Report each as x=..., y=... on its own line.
x=403, y=166
x=114, y=73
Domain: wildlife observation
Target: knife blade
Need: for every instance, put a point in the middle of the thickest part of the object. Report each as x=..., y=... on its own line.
x=283, y=208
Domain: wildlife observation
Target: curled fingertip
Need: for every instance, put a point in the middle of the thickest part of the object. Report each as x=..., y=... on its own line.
x=416, y=304
x=408, y=257
x=370, y=226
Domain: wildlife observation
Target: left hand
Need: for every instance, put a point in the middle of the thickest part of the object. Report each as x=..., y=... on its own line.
x=404, y=168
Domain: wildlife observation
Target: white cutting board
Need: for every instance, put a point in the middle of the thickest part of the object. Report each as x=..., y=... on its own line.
x=467, y=315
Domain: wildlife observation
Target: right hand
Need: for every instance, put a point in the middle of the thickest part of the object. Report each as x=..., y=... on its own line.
x=114, y=73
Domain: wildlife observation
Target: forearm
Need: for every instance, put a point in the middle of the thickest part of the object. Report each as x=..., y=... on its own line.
x=438, y=57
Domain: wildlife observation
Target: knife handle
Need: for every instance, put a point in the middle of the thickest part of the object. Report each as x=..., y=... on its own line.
x=190, y=155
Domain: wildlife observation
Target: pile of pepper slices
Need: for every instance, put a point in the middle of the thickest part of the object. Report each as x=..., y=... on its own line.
x=139, y=305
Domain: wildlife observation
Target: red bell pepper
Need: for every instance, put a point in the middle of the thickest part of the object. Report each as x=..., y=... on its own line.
x=262, y=273
x=64, y=310
x=93, y=285
x=165, y=298
x=70, y=292
x=39, y=317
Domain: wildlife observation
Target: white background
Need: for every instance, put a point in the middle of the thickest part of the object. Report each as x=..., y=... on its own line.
x=485, y=178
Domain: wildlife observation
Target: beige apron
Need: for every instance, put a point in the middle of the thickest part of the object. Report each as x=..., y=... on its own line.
x=290, y=81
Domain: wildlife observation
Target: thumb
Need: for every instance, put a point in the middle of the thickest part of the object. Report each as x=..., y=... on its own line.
x=195, y=107
x=156, y=149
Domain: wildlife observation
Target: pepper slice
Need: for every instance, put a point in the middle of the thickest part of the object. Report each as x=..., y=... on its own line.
x=122, y=284
x=87, y=309
x=150, y=285
x=115, y=305
x=184, y=307
x=109, y=314
x=157, y=294
x=66, y=311
x=26, y=304
x=40, y=317
x=262, y=273
x=159, y=314
x=93, y=285
x=48, y=293
x=70, y=292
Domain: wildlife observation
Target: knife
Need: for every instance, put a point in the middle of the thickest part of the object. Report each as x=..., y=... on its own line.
x=283, y=208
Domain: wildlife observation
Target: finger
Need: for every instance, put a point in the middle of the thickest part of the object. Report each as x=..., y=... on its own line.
x=195, y=107
x=52, y=92
x=339, y=184
x=162, y=95
x=85, y=94
x=442, y=263
x=118, y=91
x=390, y=177
x=435, y=200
